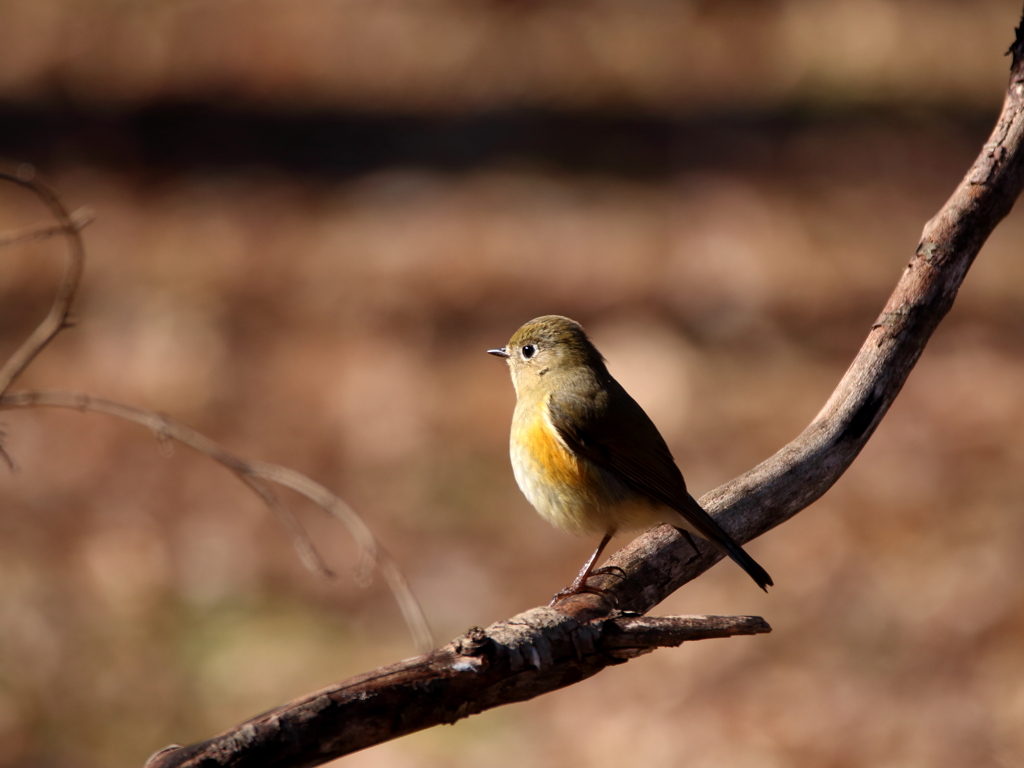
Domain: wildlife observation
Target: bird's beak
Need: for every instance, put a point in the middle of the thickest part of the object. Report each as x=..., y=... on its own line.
x=502, y=352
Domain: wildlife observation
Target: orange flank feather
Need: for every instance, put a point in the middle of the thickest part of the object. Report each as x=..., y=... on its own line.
x=553, y=459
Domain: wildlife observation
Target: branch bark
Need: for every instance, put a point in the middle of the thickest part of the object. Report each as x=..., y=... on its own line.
x=531, y=654
x=546, y=649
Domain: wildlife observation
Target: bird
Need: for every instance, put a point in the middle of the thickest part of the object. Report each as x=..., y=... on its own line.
x=587, y=456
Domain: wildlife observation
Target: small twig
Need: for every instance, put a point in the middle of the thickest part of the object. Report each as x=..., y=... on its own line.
x=304, y=546
x=632, y=636
x=56, y=318
x=8, y=460
x=256, y=474
x=80, y=219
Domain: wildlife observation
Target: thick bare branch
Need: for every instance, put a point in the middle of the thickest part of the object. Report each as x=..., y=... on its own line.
x=531, y=654
x=656, y=564
x=487, y=668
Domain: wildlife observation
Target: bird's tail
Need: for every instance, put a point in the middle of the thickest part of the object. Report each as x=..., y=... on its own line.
x=705, y=526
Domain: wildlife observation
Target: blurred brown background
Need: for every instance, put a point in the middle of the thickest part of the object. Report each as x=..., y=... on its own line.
x=312, y=220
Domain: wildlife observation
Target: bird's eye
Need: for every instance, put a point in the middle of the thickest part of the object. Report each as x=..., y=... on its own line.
x=529, y=351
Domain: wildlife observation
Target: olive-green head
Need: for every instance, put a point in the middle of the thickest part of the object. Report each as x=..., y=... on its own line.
x=551, y=344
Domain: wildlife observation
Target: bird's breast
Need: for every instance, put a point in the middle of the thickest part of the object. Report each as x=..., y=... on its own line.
x=548, y=473
x=568, y=491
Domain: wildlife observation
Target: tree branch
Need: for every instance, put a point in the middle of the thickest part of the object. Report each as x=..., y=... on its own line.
x=57, y=318
x=656, y=564
x=257, y=475
x=80, y=219
x=531, y=654
x=546, y=649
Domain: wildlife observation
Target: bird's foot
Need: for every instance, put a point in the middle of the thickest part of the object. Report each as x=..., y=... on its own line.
x=577, y=588
x=570, y=591
x=609, y=570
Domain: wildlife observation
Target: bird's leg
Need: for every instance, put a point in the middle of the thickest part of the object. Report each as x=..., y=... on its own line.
x=580, y=583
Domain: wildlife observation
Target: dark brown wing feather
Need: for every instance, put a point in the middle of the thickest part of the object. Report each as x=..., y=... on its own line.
x=624, y=441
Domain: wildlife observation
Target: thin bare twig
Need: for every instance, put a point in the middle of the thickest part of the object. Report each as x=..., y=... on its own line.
x=545, y=649
x=80, y=219
x=257, y=475
x=57, y=318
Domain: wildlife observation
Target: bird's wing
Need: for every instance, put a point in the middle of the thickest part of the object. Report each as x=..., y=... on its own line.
x=624, y=441
x=621, y=440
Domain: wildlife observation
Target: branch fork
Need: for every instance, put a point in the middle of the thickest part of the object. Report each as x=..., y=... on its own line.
x=520, y=658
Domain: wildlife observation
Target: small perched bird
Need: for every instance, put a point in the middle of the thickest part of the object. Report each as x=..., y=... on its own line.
x=586, y=455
